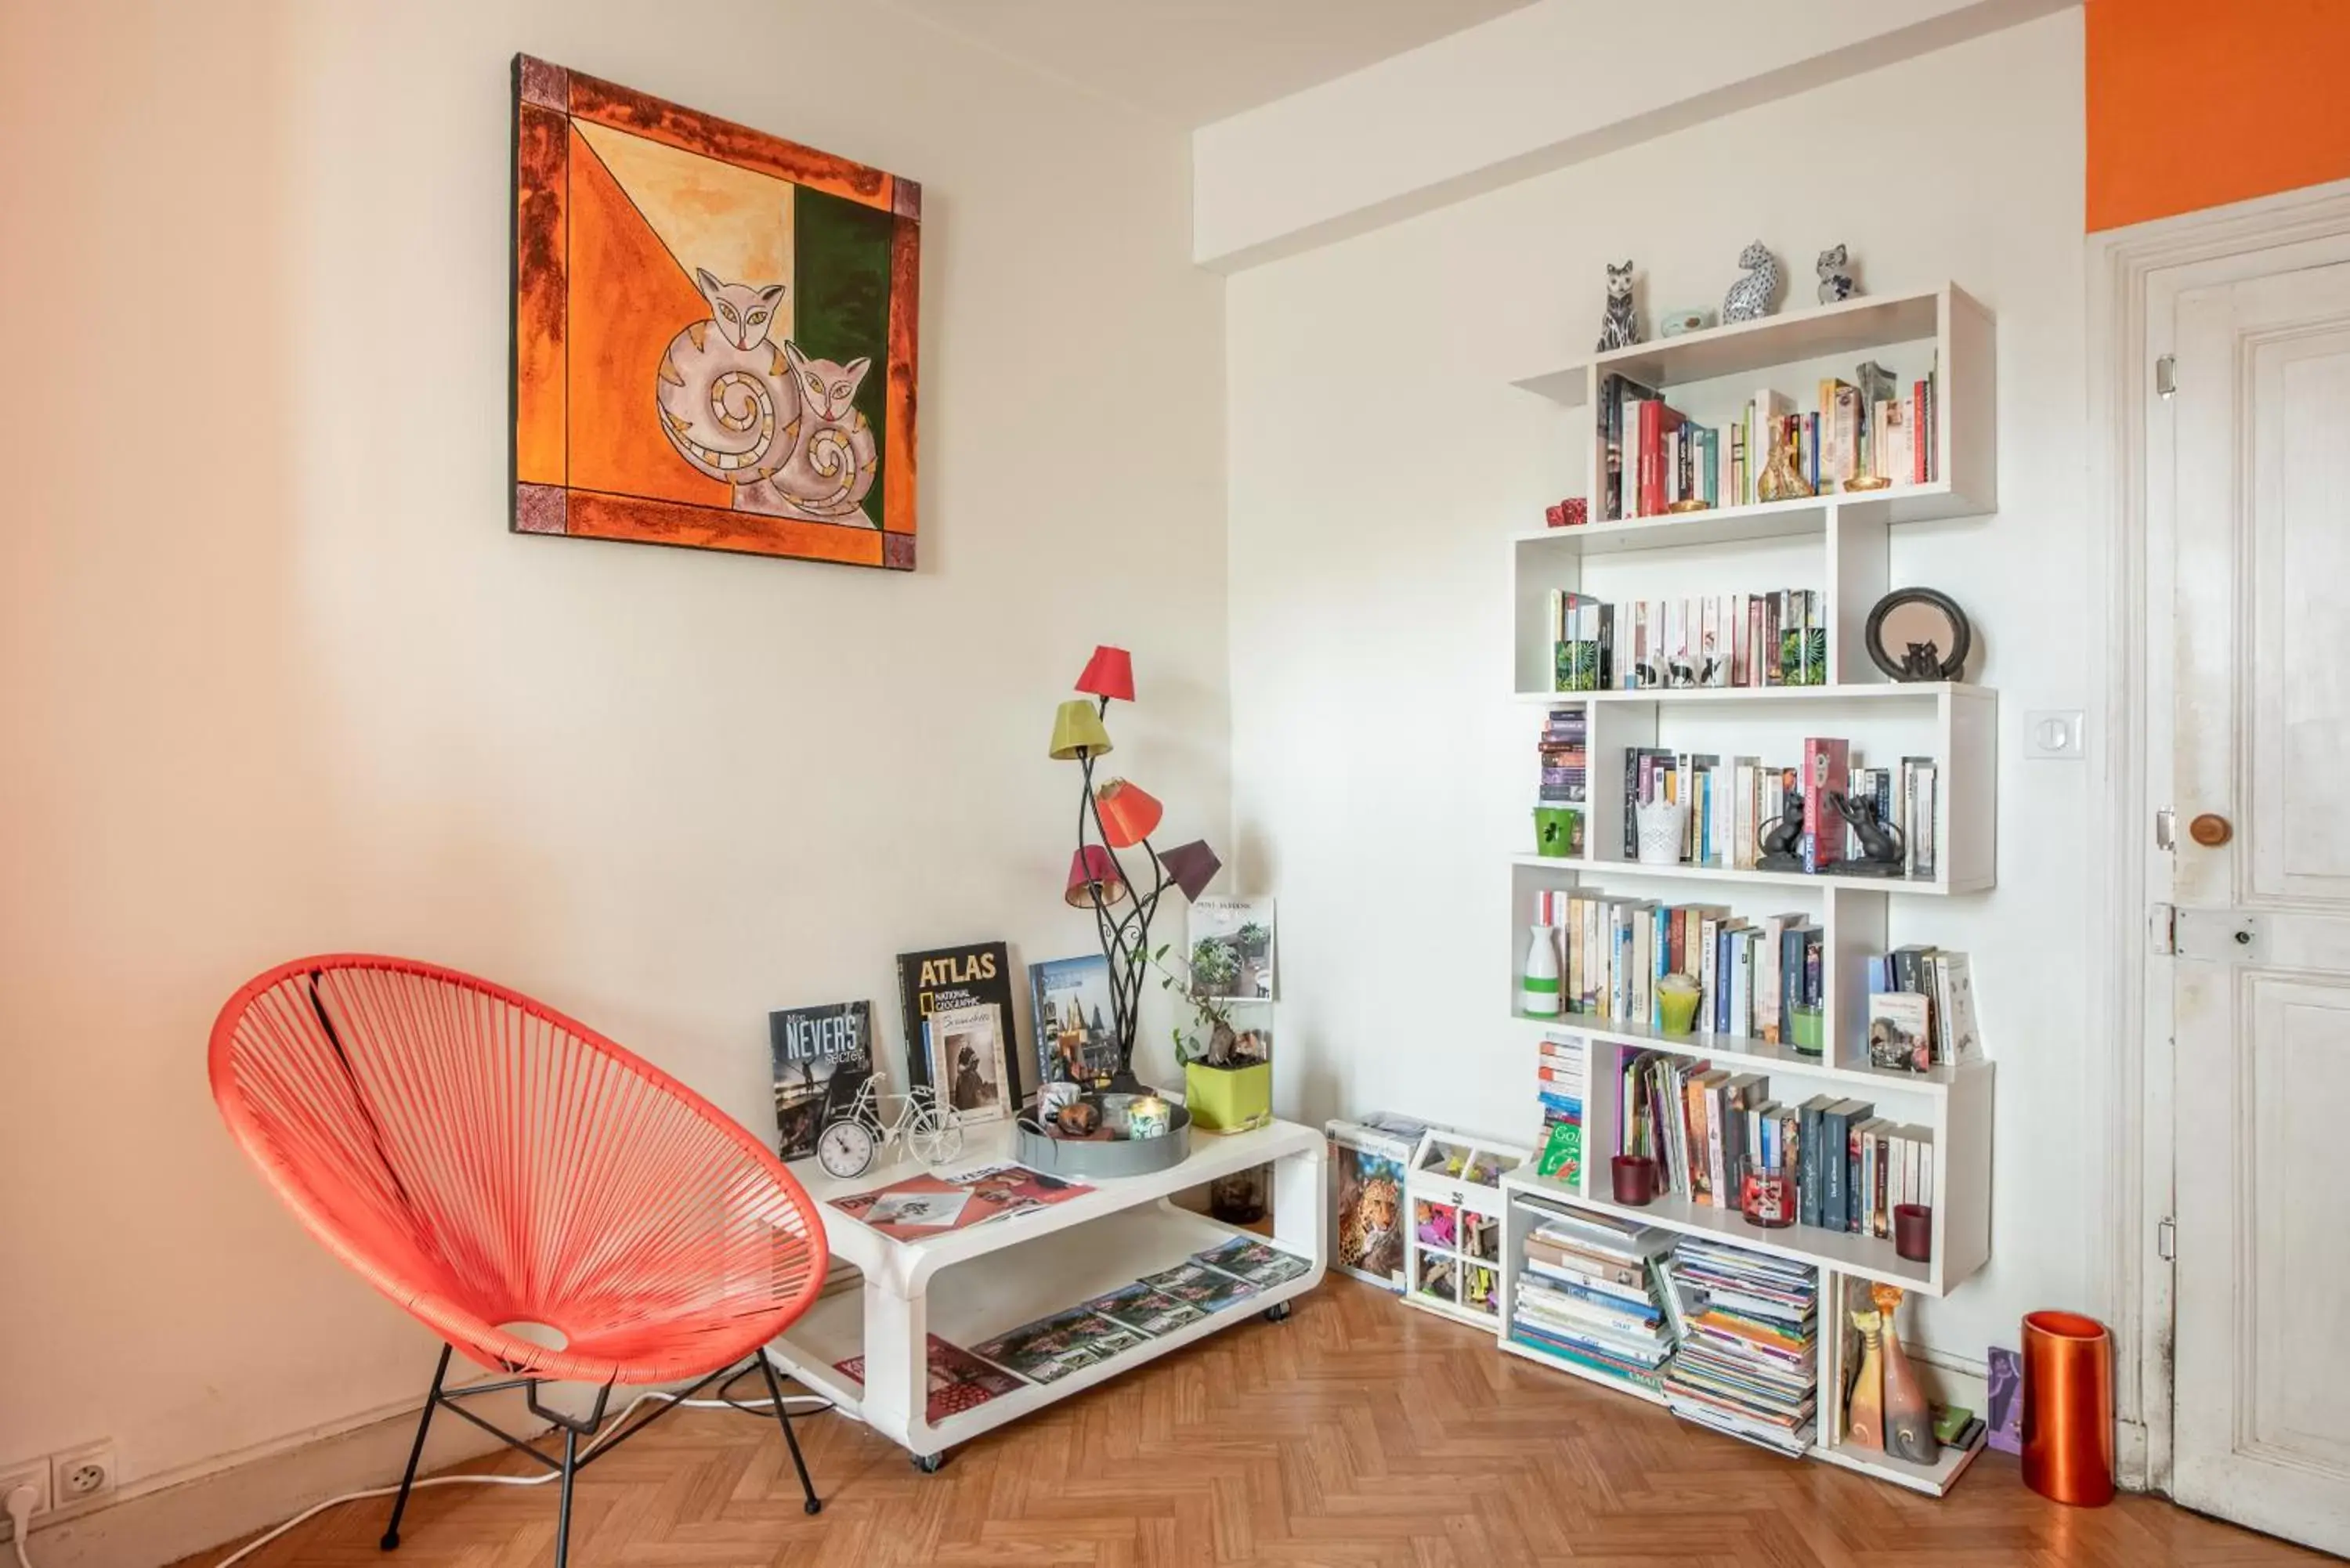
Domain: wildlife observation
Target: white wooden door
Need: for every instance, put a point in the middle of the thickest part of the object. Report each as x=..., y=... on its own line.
x=2260, y=977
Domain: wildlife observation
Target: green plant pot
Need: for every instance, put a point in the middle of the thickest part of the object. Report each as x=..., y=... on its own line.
x=1227, y=1099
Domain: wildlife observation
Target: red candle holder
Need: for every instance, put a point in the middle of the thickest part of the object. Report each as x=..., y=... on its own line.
x=1766, y=1195
x=1913, y=1232
x=1634, y=1176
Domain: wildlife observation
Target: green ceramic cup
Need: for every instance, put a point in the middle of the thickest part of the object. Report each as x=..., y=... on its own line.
x=1676, y=999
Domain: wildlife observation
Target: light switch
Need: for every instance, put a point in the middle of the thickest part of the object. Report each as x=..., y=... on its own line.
x=2053, y=733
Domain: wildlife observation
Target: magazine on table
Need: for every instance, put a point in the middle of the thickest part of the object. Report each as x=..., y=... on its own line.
x=959, y=1381
x=1195, y=1285
x=1259, y=1264
x=933, y=1204
x=1052, y=1347
x=1139, y=1306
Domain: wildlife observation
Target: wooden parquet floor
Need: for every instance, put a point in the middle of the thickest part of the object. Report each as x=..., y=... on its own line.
x=1359, y=1433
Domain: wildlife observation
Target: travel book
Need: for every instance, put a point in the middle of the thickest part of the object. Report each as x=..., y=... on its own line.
x=957, y=1003
x=1232, y=947
x=1076, y=1034
x=959, y=1381
x=823, y=1056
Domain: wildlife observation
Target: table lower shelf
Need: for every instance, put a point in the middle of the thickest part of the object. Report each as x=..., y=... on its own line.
x=974, y=1301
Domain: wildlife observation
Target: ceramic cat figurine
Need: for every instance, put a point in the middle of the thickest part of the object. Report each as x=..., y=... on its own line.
x=1620, y=326
x=763, y=416
x=1836, y=275
x=1749, y=297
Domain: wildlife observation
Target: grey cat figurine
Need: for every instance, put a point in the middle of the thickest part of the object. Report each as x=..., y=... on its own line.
x=1620, y=326
x=1836, y=277
x=1750, y=298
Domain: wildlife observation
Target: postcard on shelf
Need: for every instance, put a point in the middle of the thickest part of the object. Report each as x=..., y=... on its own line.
x=1206, y=1289
x=935, y=1205
x=1232, y=947
x=959, y=1381
x=1138, y=1307
x=1253, y=1261
x=1051, y=1348
x=1899, y=1031
x=1076, y=1035
x=823, y=1056
x=958, y=1012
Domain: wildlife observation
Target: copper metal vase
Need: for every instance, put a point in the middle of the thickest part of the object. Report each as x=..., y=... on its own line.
x=2068, y=1409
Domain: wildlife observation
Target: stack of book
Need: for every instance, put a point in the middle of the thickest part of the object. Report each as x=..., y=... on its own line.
x=1921, y=1010
x=1588, y=1294
x=1558, y=1088
x=1655, y=456
x=1747, y=1362
x=1733, y=801
x=1582, y=643
x=1564, y=736
x=1700, y=1123
x=1751, y=974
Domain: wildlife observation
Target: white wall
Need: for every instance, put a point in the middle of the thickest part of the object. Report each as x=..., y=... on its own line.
x=1378, y=459
x=275, y=679
x=1528, y=91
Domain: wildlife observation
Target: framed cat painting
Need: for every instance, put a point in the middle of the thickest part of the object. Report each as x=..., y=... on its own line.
x=713, y=332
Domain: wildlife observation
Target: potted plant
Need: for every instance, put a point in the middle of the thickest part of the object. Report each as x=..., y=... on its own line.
x=1227, y=1066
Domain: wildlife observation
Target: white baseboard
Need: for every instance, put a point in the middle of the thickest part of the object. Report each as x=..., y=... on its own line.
x=167, y=1522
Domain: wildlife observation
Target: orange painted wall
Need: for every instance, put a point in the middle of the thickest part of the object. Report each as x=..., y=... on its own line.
x=2197, y=103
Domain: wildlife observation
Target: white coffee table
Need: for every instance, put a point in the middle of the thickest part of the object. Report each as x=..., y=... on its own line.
x=972, y=1284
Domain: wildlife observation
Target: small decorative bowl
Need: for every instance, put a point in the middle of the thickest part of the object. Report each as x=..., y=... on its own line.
x=1673, y=322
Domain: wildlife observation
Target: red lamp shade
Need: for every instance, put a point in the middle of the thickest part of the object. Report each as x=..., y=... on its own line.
x=1092, y=872
x=1109, y=673
x=1193, y=867
x=1128, y=813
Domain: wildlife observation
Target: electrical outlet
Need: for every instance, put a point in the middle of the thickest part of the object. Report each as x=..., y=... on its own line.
x=80, y=1474
x=35, y=1475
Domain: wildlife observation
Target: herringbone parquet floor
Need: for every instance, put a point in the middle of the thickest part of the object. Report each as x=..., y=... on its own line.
x=1359, y=1433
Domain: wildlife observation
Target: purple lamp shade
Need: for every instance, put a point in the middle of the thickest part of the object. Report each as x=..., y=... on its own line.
x=1092, y=871
x=1109, y=673
x=1191, y=866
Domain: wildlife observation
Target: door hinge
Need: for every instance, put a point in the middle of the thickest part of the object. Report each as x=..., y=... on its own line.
x=2166, y=829
x=2162, y=929
x=2165, y=1241
x=2166, y=375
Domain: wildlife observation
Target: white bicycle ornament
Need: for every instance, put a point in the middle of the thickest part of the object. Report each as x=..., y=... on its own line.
x=848, y=1142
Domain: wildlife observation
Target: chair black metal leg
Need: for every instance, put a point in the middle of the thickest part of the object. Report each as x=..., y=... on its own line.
x=563, y=1507
x=416, y=1452
x=783, y=1414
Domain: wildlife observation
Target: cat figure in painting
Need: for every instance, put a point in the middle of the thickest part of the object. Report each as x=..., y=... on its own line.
x=763, y=416
x=831, y=466
x=725, y=393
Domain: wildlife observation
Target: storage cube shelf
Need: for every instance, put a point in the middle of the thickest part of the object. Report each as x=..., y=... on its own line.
x=1839, y=547
x=1454, y=1203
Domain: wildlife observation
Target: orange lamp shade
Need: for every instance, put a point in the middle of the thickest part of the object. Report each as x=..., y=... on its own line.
x=1128, y=813
x=1093, y=874
x=1191, y=866
x=1110, y=673
x=1077, y=731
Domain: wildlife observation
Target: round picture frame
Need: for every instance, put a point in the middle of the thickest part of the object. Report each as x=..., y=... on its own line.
x=1919, y=660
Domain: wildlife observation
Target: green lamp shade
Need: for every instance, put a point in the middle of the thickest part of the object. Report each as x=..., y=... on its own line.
x=1077, y=731
x=1191, y=866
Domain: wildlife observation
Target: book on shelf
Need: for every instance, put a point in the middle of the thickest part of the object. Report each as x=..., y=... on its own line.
x=1613, y=950
x=1558, y=1093
x=1921, y=1010
x=1732, y=801
x=957, y=1006
x=1747, y=1361
x=1653, y=455
x=823, y=1056
x=1583, y=637
x=1588, y=1294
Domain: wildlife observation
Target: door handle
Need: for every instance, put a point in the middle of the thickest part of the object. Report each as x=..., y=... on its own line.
x=2211, y=830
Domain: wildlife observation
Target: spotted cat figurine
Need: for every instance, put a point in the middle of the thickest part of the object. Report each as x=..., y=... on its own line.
x=758, y=413
x=1750, y=298
x=1836, y=275
x=1620, y=327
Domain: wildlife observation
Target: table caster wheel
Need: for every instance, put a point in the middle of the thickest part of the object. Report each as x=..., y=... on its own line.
x=929, y=1464
x=390, y=1541
x=813, y=1505
x=1277, y=1312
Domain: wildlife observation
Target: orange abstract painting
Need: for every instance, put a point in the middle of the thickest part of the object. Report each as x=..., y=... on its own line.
x=713, y=332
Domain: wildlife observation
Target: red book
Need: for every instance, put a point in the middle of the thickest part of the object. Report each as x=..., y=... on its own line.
x=1827, y=764
x=1657, y=421
x=1919, y=468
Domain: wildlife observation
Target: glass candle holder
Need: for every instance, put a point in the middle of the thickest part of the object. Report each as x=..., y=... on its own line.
x=1766, y=1195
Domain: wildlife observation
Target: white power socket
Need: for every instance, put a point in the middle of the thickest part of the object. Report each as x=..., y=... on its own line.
x=77, y=1475
x=36, y=1475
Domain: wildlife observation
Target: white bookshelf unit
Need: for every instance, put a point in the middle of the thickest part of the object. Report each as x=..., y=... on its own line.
x=1837, y=544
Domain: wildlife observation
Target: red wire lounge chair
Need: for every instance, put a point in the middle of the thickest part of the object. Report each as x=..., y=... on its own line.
x=494, y=1166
